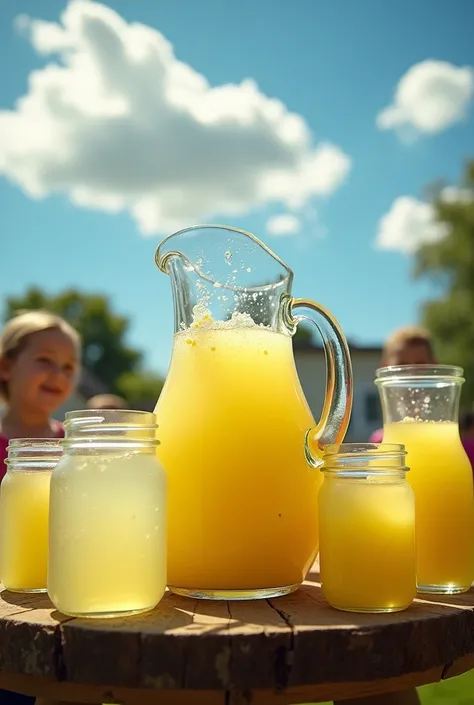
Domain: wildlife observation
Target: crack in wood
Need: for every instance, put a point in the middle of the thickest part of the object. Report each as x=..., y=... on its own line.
x=58, y=651
x=284, y=656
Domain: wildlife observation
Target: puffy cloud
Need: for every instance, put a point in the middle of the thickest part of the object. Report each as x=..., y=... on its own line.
x=284, y=224
x=429, y=98
x=408, y=224
x=120, y=124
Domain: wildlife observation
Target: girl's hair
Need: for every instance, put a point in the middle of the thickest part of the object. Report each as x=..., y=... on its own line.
x=17, y=330
x=409, y=335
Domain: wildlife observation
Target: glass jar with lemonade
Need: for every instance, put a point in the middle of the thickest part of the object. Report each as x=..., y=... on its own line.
x=24, y=510
x=107, y=554
x=367, y=528
x=420, y=409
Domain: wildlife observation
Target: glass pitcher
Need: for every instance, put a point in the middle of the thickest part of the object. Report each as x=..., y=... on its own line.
x=237, y=437
x=420, y=409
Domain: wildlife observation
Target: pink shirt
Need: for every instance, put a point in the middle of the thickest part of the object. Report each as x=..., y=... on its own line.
x=4, y=443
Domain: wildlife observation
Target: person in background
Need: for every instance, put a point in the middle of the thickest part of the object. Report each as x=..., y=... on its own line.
x=39, y=363
x=410, y=345
x=466, y=429
x=106, y=401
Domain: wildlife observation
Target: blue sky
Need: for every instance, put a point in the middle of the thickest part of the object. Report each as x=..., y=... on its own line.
x=336, y=64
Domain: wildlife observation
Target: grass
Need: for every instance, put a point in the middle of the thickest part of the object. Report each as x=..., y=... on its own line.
x=454, y=691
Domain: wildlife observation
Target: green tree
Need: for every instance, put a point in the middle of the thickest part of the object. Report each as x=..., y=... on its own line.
x=449, y=263
x=138, y=387
x=106, y=354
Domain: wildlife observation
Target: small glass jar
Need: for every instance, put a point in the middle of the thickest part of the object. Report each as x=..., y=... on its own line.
x=24, y=508
x=367, y=528
x=107, y=546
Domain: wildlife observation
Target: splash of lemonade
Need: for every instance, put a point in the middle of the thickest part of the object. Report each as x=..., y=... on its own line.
x=441, y=478
x=232, y=420
x=24, y=530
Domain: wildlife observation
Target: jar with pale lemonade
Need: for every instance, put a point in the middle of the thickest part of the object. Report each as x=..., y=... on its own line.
x=24, y=509
x=367, y=528
x=107, y=548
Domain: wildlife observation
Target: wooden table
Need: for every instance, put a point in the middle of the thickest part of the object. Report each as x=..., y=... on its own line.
x=289, y=650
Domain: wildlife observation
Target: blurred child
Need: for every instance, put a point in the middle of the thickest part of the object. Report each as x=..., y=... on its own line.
x=466, y=429
x=106, y=401
x=39, y=362
x=410, y=345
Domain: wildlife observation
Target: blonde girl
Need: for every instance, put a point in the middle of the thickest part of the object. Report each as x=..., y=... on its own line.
x=39, y=364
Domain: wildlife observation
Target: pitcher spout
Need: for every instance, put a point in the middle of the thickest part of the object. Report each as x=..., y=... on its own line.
x=223, y=271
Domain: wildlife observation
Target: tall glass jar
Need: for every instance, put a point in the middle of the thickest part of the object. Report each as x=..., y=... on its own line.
x=420, y=409
x=24, y=507
x=367, y=528
x=107, y=554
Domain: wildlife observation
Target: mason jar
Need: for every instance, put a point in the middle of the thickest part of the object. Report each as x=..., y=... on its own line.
x=367, y=528
x=107, y=542
x=24, y=508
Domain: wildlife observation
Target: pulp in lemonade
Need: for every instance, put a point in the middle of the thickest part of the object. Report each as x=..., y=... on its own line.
x=232, y=420
x=24, y=507
x=367, y=544
x=108, y=534
x=441, y=477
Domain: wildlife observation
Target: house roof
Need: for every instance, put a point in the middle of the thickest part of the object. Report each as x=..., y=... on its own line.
x=311, y=346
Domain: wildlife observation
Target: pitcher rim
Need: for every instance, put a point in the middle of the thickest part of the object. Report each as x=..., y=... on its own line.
x=160, y=260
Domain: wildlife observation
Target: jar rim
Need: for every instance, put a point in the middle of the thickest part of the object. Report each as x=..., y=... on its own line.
x=26, y=442
x=352, y=449
x=146, y=419
x=34, y=452
x=106, y=424
x=361, y=460
x=419, y=372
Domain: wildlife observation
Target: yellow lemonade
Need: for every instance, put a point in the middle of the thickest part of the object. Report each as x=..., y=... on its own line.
x=108, y=534
x=367, y=544
x=441, y=477
x=242, y=504
x=24, y=507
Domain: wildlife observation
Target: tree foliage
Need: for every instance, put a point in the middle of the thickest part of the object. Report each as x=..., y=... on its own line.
x=140, y=386
x=106, y=354
x=449, y=263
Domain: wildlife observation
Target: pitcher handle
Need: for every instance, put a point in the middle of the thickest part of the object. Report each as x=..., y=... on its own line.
x=337, y=407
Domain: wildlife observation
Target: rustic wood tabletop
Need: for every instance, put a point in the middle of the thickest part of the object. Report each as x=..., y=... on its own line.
x=288, y=650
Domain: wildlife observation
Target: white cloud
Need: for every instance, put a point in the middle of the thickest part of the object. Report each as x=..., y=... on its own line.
x=453, y=194
x=120, y=124
x=408, y=224
x=429, y=98
x=284, y=224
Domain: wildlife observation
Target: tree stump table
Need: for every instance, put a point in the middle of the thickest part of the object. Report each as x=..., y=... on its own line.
x=293, y=649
